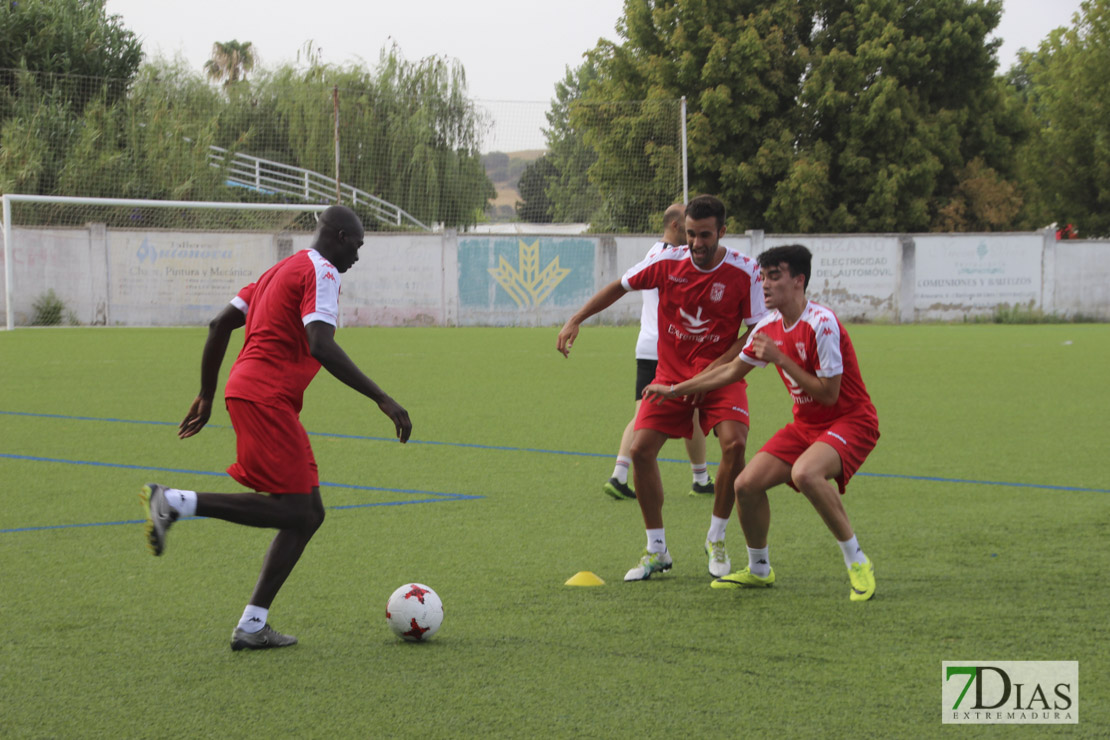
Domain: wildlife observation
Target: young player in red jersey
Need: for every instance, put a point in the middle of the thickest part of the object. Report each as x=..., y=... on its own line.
x=290, y=316
x=835, y=424
x=708, y=298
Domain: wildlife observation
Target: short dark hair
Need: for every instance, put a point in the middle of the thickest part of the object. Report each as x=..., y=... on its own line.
x=797, y=258
x=706, y=206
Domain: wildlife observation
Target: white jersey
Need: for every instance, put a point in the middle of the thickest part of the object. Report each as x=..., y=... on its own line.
x=647, y=343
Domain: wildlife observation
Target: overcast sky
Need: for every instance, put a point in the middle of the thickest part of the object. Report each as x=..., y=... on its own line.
x=512, y=50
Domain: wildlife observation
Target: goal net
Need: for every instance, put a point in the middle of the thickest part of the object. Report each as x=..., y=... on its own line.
x=128, y=262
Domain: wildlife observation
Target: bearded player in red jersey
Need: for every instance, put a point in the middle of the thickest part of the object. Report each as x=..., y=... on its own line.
x=835, y=424
x=708, y=293
x=290, y=316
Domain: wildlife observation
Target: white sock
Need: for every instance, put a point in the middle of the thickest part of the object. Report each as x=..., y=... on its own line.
x=717, y=527
x=253, y=619
x=759, y=562
x=620, y=472
x=183, y=502
x=852, y=552
x=656, y=540
x=701, y=473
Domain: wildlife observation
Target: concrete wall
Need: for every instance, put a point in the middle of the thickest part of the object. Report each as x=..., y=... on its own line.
x=126, y=277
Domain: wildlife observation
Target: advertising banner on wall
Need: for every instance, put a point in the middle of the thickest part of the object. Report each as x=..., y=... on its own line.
x=511, y=281
x=855, y=276
x=961, y=274
x=166, y=279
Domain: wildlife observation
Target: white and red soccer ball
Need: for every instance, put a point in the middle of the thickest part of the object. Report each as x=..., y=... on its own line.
x=414, y=612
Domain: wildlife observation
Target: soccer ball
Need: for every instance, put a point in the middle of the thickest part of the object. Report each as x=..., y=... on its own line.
x=414, y=612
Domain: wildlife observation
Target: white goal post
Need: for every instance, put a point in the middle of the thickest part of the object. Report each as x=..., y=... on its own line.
x=135, y=262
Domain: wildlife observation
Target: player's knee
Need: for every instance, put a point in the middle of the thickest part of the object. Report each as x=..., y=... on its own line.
x=806, y=479
x=316, y=518
x=743, y=486
x=641, y=455
x=733, y=450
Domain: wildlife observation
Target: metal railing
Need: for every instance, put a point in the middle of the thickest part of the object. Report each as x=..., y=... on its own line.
x=266, y=176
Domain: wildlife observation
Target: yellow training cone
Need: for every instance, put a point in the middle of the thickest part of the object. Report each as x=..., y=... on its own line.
x=584, y=578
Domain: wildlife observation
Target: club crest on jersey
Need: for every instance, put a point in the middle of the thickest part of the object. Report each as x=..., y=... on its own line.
x=717, y=292
x=801, y=347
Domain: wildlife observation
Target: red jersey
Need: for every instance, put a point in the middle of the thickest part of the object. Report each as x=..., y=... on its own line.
x=701, y=312
x=275, y=365
x=820, y=345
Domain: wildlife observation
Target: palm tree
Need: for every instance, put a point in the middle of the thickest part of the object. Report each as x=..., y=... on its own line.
x=230, y=61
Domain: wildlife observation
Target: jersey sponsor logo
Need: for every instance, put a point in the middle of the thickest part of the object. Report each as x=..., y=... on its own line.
x=717, y=292
x=329, y=276
x=694, y=324
x=828, y=330
x=682, y=336
x=677, y=279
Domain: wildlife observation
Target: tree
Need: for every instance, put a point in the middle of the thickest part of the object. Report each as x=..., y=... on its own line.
x=572, y=197
x=902, y=120
x=57, y=57
x=738, y=63
x=230, y=62
x=74, y=38
x=818, y=115
x=534, y=206
x=409, y=133
x=1067, y=86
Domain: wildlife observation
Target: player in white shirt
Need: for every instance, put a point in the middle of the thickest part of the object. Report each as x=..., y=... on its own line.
x=647, y=358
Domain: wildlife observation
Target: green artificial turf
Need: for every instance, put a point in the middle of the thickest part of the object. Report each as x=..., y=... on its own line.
x=984, y=508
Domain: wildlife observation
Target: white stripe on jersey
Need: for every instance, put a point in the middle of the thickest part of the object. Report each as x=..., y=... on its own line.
x=827, y=331
x=327, y=291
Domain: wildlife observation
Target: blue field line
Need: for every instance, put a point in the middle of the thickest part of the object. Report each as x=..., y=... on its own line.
x=429, y=497
x=506, y=448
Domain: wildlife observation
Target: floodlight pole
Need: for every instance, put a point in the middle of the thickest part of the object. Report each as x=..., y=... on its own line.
x=335, y=105
x=685, y=180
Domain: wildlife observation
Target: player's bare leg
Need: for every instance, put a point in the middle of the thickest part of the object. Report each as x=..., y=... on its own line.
x=617, y=485
x=758, y=476
x=812, y=473
x=733, y=437
x=762, y=473
x=645, y=473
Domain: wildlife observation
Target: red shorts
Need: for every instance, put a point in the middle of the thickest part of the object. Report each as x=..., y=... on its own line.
x=852, y=438
x=272, y=451
x=675, y=418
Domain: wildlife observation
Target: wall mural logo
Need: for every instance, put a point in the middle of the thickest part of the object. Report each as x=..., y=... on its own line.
x=527, y=284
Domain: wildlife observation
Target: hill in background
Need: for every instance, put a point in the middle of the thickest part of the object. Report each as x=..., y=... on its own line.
x=504, y=170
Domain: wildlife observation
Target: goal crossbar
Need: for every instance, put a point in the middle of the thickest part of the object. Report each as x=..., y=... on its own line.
x=7, y=199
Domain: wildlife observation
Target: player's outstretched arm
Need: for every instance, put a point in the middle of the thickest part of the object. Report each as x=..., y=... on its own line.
x=700, y=384
x=601, y=300
x=215, y=347
x=322, y=345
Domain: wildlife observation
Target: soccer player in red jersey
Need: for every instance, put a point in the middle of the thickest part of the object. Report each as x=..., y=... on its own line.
x=835, y=424
x=647, y=359
x=708, y=300
x=290, y=315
